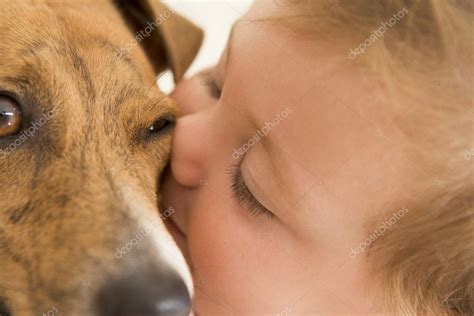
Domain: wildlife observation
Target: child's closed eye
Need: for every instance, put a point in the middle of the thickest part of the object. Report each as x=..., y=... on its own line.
x=244, y=196
x=210, y=81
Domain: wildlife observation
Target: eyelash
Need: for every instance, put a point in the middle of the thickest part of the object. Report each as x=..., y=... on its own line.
x=211, y=83
x=239, y=188
x=243, y=195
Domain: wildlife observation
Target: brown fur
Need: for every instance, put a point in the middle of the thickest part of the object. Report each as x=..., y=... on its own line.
x=63, y=210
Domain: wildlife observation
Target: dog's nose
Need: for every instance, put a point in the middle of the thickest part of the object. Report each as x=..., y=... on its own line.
x=156, y=293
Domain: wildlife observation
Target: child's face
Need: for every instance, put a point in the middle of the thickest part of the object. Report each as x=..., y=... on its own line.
x=271, y=212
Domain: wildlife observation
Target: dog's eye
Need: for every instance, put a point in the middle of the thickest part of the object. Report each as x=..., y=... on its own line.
x=10, y=116
x=160, y=125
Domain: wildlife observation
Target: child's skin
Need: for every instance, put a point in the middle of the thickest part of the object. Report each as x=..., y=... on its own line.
x=329, y=167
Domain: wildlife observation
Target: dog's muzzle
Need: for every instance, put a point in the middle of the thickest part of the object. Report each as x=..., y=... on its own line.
x=149, y=292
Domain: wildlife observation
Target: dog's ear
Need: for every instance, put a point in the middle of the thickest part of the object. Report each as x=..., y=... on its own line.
x=169, y=40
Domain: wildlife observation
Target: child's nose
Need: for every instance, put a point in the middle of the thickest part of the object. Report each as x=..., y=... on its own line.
x=192, y=96
x=191, y=149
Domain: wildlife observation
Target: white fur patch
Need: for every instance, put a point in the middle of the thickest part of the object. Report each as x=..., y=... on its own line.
x=164, y=242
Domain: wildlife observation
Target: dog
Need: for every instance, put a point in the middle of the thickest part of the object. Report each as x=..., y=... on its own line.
x=85, y=134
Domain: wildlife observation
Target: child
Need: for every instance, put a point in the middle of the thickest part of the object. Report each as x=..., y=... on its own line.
x=320, y=169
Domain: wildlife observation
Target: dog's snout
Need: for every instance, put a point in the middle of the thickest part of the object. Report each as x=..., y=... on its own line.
x=153, y=293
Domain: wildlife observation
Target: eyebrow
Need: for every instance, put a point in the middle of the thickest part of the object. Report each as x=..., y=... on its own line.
x=230, y=40
x=270, y=146
x=266, y=141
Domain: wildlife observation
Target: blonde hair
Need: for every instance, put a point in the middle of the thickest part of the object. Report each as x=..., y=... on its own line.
x=425, y=263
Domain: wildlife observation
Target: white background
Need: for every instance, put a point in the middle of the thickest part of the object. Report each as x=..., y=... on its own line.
x=215, y=17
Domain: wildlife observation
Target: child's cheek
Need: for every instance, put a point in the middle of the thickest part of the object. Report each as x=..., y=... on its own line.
x=219, y=244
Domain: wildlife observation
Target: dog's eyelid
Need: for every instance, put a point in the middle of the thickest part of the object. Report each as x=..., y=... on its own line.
x=168, y=116
x=159, y=107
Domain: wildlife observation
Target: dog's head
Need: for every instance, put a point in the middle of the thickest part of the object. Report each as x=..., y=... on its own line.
x=84, y=136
